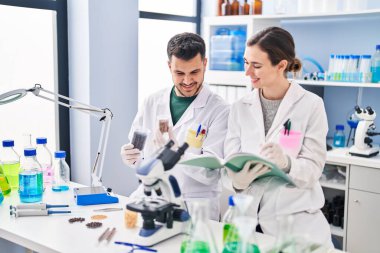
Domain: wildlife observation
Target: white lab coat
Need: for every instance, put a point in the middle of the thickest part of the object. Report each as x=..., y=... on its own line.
x=209, y=110
x=246, y=133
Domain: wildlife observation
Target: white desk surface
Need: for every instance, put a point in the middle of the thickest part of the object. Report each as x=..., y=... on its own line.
x=341, y=155
x=54, y=233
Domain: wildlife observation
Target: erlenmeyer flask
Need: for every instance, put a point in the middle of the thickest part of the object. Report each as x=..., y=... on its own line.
x=284, y=240
x=246, y=227
x=242, y=202
x=200, y=239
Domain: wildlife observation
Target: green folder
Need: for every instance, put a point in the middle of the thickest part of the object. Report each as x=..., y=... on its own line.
x=236, y=163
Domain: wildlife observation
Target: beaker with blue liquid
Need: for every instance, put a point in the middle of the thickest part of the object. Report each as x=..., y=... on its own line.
x=30, y=178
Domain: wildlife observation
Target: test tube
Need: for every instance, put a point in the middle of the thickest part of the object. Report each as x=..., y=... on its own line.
x=139, y=138
x=163, y=123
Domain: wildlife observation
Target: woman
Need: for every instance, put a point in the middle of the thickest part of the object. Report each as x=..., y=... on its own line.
x=256, y=122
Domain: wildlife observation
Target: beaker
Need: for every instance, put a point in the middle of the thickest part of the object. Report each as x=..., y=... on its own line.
x=200, y=238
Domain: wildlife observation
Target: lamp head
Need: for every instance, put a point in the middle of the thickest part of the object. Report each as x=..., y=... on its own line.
x=10, y=96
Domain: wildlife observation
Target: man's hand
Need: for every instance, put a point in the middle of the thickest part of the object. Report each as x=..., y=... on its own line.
x=129, y=154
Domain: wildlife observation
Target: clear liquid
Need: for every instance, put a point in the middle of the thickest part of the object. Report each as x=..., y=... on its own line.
x=60, y=188
x=4, y=185
x=11, y=170
x=31, y=186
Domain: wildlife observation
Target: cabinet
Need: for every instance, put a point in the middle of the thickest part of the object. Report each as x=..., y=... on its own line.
x=361, y=190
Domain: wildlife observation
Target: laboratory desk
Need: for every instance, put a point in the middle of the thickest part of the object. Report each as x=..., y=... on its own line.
x=55, y=234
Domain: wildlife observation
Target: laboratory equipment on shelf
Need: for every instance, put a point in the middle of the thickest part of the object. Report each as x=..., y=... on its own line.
x=44, y=157
x=30, y=179
x=200, y=237
x=375, y=65
x=339, y=140
x=162, y=208
x=11, y=163
x=96, y=194
x=61, y=172
x=363, y=142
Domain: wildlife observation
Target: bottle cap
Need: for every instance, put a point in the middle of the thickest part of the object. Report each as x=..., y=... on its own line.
x=231, y=201
x=378, y=47
x=339, y=127
x=41, y=140
x=60, y=154
x=29, y=152
x=8, y=143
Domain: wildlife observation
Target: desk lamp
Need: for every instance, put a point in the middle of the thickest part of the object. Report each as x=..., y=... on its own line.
x=96, y=194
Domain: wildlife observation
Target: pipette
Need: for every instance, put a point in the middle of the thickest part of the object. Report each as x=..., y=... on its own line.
x=34, y=212
x=38, y=206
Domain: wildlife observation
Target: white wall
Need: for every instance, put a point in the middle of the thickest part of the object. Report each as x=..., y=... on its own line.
x=103, y=73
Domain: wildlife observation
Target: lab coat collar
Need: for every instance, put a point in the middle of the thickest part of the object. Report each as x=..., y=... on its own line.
x=199, y=102
x=294, y=93
x=292, y=96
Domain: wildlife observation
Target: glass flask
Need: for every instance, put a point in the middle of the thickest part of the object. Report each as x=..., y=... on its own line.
x=200, y=238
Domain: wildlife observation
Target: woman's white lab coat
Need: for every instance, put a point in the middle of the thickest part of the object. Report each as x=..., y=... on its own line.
x=245, y=134
x=209, y=110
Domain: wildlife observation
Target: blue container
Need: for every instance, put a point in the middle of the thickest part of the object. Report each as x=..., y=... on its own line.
x=339, y=137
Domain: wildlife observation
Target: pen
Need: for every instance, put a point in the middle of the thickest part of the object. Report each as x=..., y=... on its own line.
x=286, y=126
x=199, y=130
x=289, y=125
x=140, y=247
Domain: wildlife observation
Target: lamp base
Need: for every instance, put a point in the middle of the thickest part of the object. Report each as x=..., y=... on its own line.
x=93, y=196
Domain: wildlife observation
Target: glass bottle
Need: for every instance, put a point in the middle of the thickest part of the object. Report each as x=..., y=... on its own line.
x=4, y=184
x=219, y=7
x=375, y=66
x=11, y=163
x=30, y=179
x=44, y=157
x=61, y=172
x=230, y=234
x=228, y=217
x=339, y=137
x=200, y=238
x=235, y=7
x=284, y=240
x=246, y=8
x=228, y=8
x=257, y=7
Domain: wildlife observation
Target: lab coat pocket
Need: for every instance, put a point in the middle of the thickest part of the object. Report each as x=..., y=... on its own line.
x=293, y=200
x=291, y=142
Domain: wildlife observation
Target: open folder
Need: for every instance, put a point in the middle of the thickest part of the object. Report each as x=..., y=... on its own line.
x=236, y=163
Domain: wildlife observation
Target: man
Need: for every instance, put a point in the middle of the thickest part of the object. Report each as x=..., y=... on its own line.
x=188, y=105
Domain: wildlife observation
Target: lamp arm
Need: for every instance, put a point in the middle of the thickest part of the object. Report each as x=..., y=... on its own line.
x=104, y=115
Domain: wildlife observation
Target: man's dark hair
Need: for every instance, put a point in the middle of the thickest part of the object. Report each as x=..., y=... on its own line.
x=186, y=46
